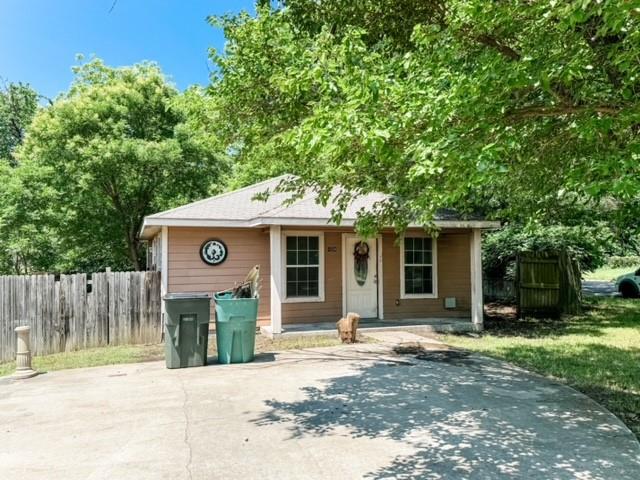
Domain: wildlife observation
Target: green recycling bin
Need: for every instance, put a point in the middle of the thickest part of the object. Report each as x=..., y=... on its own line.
x=235, y=328
x=186, y=329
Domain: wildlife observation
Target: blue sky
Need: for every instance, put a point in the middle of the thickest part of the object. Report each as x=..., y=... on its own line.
x=39, y=39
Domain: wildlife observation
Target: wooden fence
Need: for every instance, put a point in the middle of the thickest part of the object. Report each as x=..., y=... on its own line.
x=76, y=312
x=548, y=284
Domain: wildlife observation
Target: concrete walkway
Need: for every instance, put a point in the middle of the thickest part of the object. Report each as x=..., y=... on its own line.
x=349, y=412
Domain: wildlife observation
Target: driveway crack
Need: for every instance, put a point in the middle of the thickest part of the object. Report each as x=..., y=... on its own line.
x=187, y=430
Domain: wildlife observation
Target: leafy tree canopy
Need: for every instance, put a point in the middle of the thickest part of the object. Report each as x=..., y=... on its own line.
x=121, y=144
x=512, y=107
x=18, y=105
x=586, y=244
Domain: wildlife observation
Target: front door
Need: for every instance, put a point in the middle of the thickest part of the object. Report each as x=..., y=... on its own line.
x=361, y=276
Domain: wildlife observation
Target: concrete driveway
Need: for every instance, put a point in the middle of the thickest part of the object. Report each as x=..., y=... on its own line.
x=347, y=413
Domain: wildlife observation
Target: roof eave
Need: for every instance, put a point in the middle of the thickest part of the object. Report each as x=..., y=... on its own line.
x=151, y=225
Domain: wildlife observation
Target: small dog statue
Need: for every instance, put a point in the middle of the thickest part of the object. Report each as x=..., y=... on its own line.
x=348, y=327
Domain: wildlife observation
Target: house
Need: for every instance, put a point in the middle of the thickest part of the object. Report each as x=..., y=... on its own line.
x=314, y=271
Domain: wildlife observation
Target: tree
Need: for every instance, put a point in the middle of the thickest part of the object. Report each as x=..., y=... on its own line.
x=515, y=106
x=121, y=144
x=18, y=105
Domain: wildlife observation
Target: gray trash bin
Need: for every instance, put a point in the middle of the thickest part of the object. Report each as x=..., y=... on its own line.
x=186, y=329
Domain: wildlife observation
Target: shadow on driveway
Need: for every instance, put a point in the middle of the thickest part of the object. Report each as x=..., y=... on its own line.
x=468, y=418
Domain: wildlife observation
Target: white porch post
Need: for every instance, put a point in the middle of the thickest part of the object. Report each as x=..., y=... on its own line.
x=275, y=240
x=477, y=302
x=164, y=266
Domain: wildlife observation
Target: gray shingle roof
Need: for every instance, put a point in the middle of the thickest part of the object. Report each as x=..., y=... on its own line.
x=239, y=208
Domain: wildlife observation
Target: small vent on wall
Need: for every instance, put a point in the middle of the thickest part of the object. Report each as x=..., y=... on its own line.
x=450, y=302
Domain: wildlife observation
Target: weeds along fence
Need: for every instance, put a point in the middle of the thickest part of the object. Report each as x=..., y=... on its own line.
x=79, y=311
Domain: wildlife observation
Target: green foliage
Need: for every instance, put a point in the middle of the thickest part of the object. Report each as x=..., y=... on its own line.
x=587, y=245
x=18, y=105
x=121, y=144
x=513, y=107
x=632, y=261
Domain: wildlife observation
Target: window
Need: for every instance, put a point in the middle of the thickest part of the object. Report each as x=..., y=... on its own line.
x=418, y=260
x=303, y=267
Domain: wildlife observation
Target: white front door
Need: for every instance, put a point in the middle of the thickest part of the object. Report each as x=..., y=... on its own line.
x=361, y=276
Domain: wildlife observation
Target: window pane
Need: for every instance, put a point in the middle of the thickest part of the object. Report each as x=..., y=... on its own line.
x=302, y=243
x=427, y=282
x=291, y=257
x=428, y=258
x=408, y=243
x=303, y=257
x=418, y=280
x=314, y=273
x=303, y=274
x=314, y=257
x=313, y=243
x=313, y=289
x=292, y=274
x=291, y=289
x=418, y=257
x=291, y=243
x=408, y=256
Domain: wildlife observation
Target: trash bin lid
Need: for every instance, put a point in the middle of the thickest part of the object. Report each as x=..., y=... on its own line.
x=186, y=296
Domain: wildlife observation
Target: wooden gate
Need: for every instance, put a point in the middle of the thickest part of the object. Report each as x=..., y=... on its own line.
x=547, y=284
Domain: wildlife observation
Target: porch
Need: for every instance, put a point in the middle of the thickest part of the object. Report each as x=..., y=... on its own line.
x=425, y=325
x=452, y=303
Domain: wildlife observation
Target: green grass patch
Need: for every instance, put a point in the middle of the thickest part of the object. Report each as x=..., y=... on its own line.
x=142, y=353
x=92, y=357
x=597, y=353
x=607, y=273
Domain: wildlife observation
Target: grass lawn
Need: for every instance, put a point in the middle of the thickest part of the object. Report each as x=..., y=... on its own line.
x=143, y=353
x=607, y=273
x=597, y=353
x=92, y=358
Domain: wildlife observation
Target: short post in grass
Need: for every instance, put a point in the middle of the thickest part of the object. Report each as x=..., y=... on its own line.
x=23, y=354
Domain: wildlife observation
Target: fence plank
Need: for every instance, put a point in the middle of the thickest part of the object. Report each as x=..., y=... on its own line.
x=121, y=308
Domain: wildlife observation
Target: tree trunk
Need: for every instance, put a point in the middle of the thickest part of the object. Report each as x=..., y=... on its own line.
x=132, y=249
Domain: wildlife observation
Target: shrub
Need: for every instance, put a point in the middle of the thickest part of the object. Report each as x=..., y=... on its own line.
x=624, y=262
x=587, y=245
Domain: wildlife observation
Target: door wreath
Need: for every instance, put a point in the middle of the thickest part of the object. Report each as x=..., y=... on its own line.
x=361, y=262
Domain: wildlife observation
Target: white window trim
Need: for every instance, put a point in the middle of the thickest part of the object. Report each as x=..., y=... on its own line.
x=434, y=269
x=283, y=266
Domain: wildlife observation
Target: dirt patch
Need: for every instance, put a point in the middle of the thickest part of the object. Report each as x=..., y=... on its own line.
x=441, y=354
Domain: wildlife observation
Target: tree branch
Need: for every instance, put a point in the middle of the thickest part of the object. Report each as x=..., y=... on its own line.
x=492, y=42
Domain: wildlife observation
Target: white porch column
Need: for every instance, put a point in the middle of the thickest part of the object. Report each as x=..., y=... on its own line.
x=477, y=302
x=164, y=266
x=275, y=240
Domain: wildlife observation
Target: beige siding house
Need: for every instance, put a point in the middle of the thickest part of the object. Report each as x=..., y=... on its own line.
x=313, y=271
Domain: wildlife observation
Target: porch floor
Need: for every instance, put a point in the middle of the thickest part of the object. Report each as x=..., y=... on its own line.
x=437, y=325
